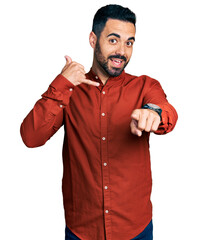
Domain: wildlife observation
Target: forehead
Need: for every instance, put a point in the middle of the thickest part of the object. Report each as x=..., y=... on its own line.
x=125, y=29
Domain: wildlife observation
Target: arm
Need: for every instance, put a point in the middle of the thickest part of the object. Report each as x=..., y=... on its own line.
x=149, y=120
x=46, y=117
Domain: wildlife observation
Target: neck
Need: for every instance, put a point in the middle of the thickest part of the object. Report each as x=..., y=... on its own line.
x=99, y=71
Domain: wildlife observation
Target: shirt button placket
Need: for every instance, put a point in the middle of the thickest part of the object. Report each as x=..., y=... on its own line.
x=105, y=165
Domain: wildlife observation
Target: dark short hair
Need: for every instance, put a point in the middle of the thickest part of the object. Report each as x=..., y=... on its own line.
x=111, y=11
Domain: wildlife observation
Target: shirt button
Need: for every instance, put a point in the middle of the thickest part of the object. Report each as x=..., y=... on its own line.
x=104, y=138
x=103, y=114
x=71, y=89
x=60, y=106
x=107, y=211
x=96, y=77
x=105, y=164
x=103, y=92
x=105, y=187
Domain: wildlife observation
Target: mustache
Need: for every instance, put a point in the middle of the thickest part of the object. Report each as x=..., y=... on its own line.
x=118, y=56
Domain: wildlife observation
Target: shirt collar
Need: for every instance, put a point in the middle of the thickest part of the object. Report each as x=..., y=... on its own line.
x=111, y=80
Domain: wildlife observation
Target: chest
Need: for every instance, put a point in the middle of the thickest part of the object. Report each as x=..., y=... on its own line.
x=108, y=108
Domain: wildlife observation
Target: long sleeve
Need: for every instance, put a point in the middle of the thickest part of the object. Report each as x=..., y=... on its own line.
x=156, y=95
x=107, y=170
x=46, y=117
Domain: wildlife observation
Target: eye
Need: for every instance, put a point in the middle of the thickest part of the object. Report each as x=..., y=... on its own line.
x=129, y=44
x=113, y=41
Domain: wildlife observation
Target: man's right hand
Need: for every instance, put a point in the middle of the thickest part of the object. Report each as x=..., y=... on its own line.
x=75, y=73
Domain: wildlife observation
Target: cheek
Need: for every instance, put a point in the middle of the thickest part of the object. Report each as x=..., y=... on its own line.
x=107, y=50
x=129, y=53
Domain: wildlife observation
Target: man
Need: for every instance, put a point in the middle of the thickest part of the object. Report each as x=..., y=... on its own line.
x=107, y=116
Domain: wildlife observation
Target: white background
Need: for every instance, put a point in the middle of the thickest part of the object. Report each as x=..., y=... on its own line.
x=35, y=36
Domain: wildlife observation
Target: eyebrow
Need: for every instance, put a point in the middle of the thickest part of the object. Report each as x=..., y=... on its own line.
x=118, y=36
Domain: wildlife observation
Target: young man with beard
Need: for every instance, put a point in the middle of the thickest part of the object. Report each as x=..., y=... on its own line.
x=107, y=116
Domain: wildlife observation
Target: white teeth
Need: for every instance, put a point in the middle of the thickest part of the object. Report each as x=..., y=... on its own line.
x=117, y=61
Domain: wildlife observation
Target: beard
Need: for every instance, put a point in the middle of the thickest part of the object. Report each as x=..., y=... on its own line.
x=114, y=72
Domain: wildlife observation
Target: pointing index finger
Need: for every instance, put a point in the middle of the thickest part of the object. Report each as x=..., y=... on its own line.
x=135, y=114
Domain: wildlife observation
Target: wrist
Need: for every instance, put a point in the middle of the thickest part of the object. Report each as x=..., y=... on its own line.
x=153, y=107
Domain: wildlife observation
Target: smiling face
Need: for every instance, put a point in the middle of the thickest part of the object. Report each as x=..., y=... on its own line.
x=113, y=50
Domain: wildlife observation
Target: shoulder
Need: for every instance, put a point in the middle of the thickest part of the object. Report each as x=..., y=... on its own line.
x=144, y=80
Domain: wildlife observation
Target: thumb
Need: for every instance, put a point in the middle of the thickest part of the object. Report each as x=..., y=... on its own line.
x=68, y=59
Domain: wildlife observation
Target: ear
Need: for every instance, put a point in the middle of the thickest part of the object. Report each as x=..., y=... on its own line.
x=92, y=39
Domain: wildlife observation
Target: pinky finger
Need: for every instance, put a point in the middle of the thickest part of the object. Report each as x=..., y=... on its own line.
x=89, y=82
x=155, y=125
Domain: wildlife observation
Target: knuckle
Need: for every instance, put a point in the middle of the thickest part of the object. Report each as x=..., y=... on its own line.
x=71, y=64
x=158, y=119
x=154, y=129
x=151, y=115
x=147, y=129
x=136, y=111
x=141, y=127
x=82, y=66
x=76, y=67
x=144, y=112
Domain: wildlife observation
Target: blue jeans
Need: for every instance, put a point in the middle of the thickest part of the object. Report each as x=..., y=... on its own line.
x=147, y=234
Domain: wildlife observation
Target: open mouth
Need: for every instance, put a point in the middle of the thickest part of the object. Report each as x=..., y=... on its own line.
x=116, y=62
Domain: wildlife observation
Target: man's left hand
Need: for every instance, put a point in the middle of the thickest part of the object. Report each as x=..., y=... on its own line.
x=144, y=120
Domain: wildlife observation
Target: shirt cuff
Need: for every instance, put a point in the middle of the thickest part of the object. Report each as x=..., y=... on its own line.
x=60, y=90
x=168, y=119
x=61, y=84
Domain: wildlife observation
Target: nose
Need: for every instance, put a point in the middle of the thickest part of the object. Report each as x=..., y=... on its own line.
x=121, y=49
